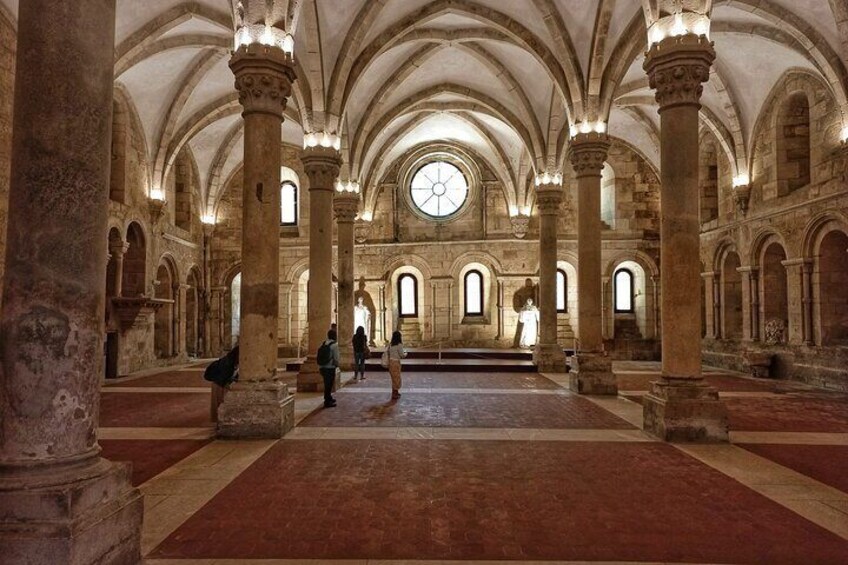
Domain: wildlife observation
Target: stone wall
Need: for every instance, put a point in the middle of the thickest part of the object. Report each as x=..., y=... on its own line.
x=794, y=219
x=440, y=253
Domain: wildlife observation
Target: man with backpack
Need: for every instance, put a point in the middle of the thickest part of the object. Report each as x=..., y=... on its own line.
x=222, y=373
x=328, y=362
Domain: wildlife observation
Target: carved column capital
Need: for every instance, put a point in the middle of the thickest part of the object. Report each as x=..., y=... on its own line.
x=588, y=152
x=322, y=166
x=742, y=195
x=264, y=76
x=520, y=225
x=345, y=206
x=548, y=199
x=677, y=67
x=118, y=249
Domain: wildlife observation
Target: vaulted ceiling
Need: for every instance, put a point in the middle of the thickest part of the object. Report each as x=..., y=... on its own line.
x=501, y=77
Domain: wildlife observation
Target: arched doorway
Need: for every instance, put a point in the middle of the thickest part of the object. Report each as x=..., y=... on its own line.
x=731, y=297
x=773, y=288
x=832, y=264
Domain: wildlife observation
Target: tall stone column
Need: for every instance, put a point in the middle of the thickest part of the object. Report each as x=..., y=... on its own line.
x=548, y=355
x=345, y=206
x=322, y=167
x=592, y=371
x=259, y=405
x=61, y=503
x=680, y=406
x=709, y=322
x=117, y=252
x=750, y=303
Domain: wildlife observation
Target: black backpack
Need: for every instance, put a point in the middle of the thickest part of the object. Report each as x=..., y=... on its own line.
x=325, y=353
x=221, y=372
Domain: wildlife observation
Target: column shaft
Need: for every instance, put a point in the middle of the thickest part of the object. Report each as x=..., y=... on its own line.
x=593, y=368
x=346, y=205
x=548, y=354
x=61, y=502
x=259, y=406
x=680, y=407
x=322, y=167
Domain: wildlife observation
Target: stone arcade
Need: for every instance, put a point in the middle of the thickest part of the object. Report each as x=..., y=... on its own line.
x=610, y=220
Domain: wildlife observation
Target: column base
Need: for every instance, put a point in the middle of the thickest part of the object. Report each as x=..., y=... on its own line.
x=256, y=410
x=549, y=358
x=684, y=410
x=309, y=379
x=346, y=356
x=84, y=514
x=591, y=373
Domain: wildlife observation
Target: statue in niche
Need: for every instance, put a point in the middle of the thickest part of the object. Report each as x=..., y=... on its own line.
x=529, y=319
x=519, y=301
x=364, y=310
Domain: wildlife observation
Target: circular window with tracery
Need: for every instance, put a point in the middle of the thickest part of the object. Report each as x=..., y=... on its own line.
x=439, y=189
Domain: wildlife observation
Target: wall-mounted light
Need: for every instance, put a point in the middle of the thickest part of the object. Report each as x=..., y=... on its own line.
x=262, y=34
x=208, y=219
x=549, y=178
x=366, y=215
x=741, y=180
x=679, y=24
x=323, y=139
x=157, y=194
x=844, y=135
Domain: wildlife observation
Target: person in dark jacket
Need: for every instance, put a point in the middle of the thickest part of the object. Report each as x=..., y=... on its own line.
x=360, y=353
x=328, y=364
x=222, y=373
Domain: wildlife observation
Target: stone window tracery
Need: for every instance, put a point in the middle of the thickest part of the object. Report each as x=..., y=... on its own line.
x=439, y=189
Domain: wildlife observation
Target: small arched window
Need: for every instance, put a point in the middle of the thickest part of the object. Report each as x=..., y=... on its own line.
x=624, y=291
x=407, y=296
x=288, y=204
x=473, y=293
x=561, y=291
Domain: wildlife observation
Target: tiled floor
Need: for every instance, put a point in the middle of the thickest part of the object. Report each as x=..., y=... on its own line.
x=510, y=468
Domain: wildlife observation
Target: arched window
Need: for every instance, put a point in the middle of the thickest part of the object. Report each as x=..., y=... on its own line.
x=407, y=296
x=561, y=291
x=288, y=204
x=623, y=291
x=473, y=293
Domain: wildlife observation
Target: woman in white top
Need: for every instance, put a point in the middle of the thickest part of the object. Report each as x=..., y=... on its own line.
x=395, y=353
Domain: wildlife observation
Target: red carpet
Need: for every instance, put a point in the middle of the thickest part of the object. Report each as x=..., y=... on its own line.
x=825, y=463
x=494, y=500
x=149, y=457
x=563, y=411
x=796, y=413
x=154, y=410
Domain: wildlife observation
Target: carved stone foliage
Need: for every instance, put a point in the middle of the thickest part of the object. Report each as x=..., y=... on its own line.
x=548, y=198
x=588, y=152
x=775, y=333
x=264, y=77
x=520, y=225
x=345, y=206
x=322, y=166
x=677, y=67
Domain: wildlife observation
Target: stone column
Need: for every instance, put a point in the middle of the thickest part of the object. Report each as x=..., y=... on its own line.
x=382, y=287
x=798, y=285
x=322, y=167
x=709, y=307
x=750, y=303
x=345, y=206
x=61, y=503
x=680, y=406
x=259, y=405
x=548, y=355
x=592, y=367
x=117, y=253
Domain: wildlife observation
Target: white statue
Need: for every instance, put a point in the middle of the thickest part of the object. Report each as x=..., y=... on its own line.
x=362, y=317
x=529, y=317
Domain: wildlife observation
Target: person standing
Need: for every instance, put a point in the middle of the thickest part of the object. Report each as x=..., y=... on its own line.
x=395, y=352
x=328, y=364
x=360, y=353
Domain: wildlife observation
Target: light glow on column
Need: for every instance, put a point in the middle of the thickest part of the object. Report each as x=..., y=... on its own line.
x=549, y=178
x=157, y=194
x=679, y=24
x=323, y=139
x=208, y=219
x=741, y=180
x=588, y=127
x=349, y=186
x=366, y=216
x=261, y=34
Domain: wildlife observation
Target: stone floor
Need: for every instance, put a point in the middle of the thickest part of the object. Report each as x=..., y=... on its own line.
x=485, y=467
